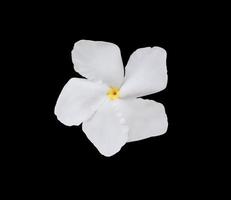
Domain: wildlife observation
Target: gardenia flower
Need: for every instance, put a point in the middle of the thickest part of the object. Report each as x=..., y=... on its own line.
x=107, y=103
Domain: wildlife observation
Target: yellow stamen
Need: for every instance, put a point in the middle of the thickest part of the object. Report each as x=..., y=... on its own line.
x=113, y=93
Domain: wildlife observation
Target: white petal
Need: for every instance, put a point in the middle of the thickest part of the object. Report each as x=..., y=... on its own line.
x=145, y=118
x=105, y=130
x=97, y=60
x=78, y=100
x=146, y=72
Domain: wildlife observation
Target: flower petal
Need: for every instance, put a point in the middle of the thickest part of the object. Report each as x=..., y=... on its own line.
x=145, y=118
x=78, y=100
x=97, y=60
x=146, y=72
x=105, y=130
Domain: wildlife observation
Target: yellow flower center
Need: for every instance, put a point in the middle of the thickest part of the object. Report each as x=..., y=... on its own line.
x=113, y=93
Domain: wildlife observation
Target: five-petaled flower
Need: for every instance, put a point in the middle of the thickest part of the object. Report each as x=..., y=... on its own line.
x=107, y=103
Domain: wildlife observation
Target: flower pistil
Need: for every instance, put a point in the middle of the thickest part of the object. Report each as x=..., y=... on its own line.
x=113, y=93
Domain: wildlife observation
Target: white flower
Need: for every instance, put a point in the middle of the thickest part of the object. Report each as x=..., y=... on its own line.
x=106, y=102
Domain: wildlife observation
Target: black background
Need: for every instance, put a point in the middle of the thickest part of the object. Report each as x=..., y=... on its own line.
x=58, y=145
x=52, y=154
